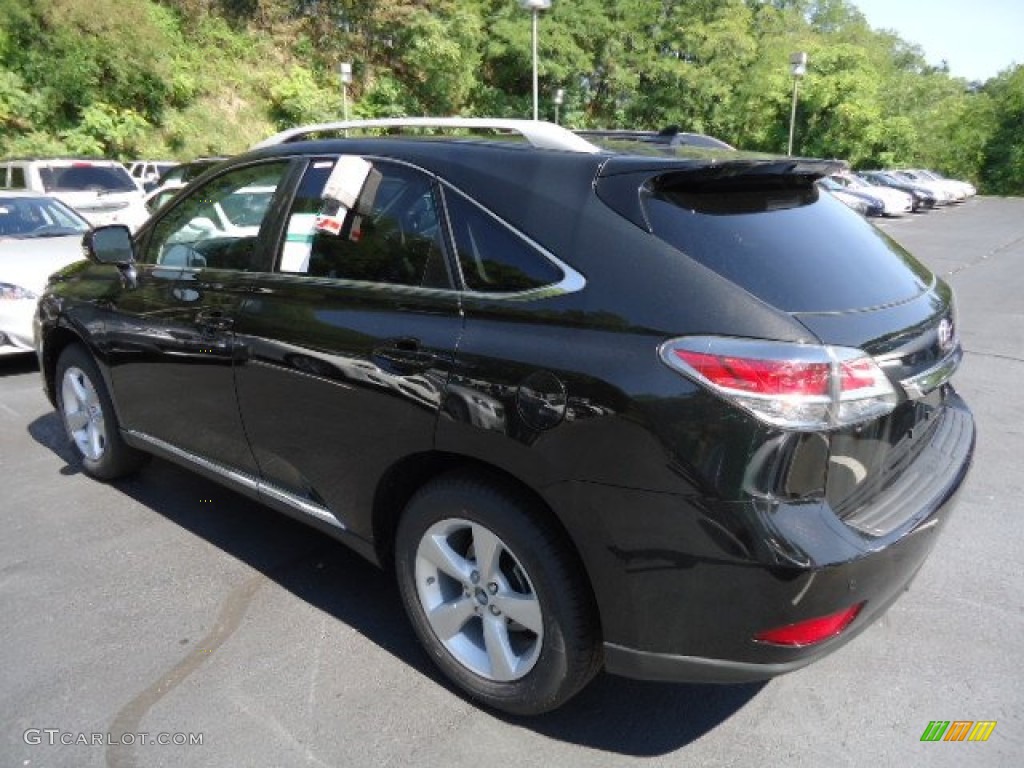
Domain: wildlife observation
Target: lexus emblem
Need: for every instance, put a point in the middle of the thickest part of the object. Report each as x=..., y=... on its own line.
x=946, y=334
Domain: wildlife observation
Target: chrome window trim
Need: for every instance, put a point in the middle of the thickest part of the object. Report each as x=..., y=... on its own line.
x=572, y=281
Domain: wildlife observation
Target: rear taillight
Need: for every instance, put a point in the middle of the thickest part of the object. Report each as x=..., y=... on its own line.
x=794, y=386
x=810, y=631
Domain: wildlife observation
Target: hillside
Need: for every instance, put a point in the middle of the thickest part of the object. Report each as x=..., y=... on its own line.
x=181, y=78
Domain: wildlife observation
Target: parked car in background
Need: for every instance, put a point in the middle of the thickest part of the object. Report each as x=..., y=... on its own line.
x=102, y=191
x=951, y=193
x=177, y=178
x=183, y=173
x=966, y=188
x=684, y=418
x=895, y=202
x=148, y=172
x=38, y=236
x=923, y=198
x=863, y=203
x=161, y=195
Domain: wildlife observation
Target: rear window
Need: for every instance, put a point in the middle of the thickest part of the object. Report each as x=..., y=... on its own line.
x=790, y=246
x=97, y=178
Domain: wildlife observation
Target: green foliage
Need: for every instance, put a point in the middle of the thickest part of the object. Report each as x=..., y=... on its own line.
x=189, y=77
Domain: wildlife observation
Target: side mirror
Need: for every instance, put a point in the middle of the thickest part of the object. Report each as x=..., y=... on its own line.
x=109, y=245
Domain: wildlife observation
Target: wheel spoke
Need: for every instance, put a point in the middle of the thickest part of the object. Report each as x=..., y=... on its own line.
x=499, y=650
x=96, y=441
x=487, y=550
x=78, y=388
x=76, y=420
x=448, y=619
x=435, y=550
x=523, y=609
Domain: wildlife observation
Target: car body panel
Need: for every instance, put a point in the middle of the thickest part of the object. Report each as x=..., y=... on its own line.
x=698, y=524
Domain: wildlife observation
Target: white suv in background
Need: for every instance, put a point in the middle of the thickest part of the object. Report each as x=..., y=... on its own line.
x=101, y=190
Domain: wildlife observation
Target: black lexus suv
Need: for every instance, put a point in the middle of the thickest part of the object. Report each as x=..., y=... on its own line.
x=683, y=418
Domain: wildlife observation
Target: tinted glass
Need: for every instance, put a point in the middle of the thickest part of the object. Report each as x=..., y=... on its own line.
x=392, y=236
x=31, y=217
x=217, y=225
x=493, y=258
x=17, y=180
x=788, y=245
x=99, y=178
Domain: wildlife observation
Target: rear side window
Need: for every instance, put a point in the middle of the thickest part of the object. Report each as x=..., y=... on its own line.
x=84, y=176
x=493, y=258
x=17, y=180
x=791, y=246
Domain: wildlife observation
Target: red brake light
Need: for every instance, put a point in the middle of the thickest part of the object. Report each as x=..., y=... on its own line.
x=856, y=374
x=810, y=631
x=786, y=384
x=765, y=377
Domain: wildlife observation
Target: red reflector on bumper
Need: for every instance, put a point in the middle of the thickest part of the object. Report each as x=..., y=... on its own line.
x=810, y=631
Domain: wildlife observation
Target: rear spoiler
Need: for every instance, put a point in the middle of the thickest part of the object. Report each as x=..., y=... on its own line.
x=623, y=181
x=715, y=169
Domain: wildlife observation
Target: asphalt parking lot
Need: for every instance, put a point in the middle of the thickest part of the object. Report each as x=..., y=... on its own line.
x=168, y=605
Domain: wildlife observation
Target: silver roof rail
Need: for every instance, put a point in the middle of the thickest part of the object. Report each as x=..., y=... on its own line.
x=540, y=134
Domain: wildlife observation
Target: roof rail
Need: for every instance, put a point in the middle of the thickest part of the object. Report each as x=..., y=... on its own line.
x=540, y=134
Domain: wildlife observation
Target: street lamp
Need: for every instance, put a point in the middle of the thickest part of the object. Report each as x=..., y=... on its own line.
x=559, y=100
x=345, y=72
x=798, y=66
x=535, y=7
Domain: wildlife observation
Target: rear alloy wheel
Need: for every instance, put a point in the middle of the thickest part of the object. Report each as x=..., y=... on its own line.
x=89, y=418
x=495, y=597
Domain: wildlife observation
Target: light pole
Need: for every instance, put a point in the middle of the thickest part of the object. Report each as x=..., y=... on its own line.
x=345, y=71
x=798, y=66
x=535, y=7
x=559, y=100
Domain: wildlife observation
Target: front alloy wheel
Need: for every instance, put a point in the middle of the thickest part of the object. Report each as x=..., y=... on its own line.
x=83, y=413
x=89, y=418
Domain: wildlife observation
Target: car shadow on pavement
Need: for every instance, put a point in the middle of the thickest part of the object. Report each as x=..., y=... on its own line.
x=613, y=714
x=15, y=365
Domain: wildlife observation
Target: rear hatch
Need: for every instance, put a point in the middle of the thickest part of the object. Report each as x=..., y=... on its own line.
x=764, y=225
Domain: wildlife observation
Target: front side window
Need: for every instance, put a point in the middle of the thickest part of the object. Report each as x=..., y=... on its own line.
x=217, y=225
x=372, y=222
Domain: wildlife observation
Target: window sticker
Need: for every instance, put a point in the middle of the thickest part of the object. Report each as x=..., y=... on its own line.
x=298, y=243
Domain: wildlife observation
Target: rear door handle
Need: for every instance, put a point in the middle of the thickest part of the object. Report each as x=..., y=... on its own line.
x=214, y=320
x=403, y=357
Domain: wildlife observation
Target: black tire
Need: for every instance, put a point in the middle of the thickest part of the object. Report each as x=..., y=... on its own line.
x=551, y=650
x=89, y=420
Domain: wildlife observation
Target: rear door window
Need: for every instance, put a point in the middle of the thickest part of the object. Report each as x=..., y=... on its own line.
x=391, y=233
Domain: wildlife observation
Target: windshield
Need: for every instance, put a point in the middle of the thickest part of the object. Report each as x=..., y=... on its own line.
x=86, y=176
x=26, y=217
x=793, y=248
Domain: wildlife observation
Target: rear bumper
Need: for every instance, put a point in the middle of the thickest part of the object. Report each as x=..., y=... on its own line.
x=684, y=585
